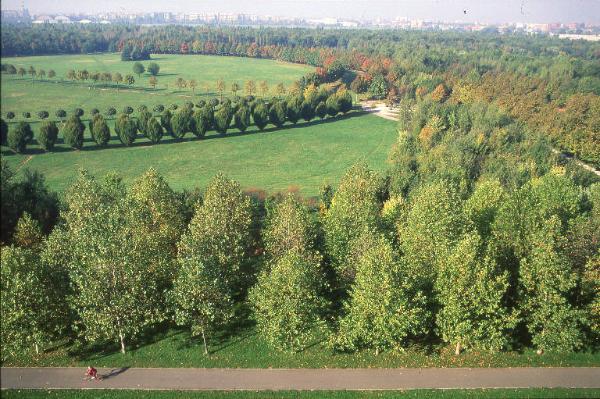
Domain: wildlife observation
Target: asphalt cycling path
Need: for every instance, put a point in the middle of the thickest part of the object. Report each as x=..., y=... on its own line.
x=301, y=379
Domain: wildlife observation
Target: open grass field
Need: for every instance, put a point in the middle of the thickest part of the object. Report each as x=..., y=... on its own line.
x=305, y=155
x=424, y=394
x=21, y=94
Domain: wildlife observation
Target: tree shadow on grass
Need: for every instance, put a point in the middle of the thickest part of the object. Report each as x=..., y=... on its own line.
x=115, y=144
x=100, y=350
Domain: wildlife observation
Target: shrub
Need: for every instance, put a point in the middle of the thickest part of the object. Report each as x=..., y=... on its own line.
x=277, y=113
x=26, y=115
x=223, y=118
x=142, y=122
x=203, y=121
x=260, y=115
x=154, y=131
x=126, y=129
x=78, y=112
x=111, y=111
x=159, y=108
x=47, y=135
x=332, y=105
x=294, y=108
x=19, y=137
x=165, y=121
x=10, y=115
x=321, y=110
x=242, y=118
x=153, y=68
x=100, y=131
x=127, y=110
x=73, y=132
x=307, y=111
x=182, y=122
x=94, y=111
x=61, y=113
x=3, y=131
x=43, y=114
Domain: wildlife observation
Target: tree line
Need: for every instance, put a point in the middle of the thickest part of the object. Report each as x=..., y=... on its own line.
x=198, y=119
x=476, y=236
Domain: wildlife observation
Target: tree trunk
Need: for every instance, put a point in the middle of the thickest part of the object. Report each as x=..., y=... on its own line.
x=37, y=349
x=457, y=351
x=122, y=342
x=376, y=351
x=204, y=339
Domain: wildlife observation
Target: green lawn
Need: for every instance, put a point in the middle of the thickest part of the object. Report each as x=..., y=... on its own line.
x=22, y=94
x=243, y=347
x=305, y=155
x=425, y=394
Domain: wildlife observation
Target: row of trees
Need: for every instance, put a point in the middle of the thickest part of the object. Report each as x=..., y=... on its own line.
x=388, y=271
x=197, y=119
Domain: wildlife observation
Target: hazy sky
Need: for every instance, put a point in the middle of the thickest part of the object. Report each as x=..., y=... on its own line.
x=448, y=10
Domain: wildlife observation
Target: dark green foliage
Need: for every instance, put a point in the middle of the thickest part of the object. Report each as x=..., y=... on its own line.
x=223, y=118
x=260, y=115
x=25, y=194
x=26, y=115
x=242, y=118
x=307, y=111
x=153, y=68
x=73, y=132
x=126, y=129
x=154, y=131
x=100, y=131
x=159, y=108
x=203, y=121
x=142, y=121
x=43, y=114
x=138, y=69
x=111, y=111
x=345, y=101
x=47, y=135
x=10, y=115
x=3, y=131
x=61, y=113
x=294, y=109
x=19, y=136
x=333, y=107
x=321, y=110
x=277, y=112
x=378, y=88
x=182, y=122
x=78, y=112
x=165, y=121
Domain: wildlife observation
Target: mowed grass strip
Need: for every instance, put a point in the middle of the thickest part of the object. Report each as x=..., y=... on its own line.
x=304, y=155
x=26, y=94
x=241, y=346
x=421, y=393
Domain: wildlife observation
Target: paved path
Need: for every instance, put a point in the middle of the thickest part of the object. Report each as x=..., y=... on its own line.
x=302, y=379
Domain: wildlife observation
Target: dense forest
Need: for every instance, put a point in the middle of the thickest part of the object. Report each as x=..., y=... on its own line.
x=551, y=84
x=477, y=234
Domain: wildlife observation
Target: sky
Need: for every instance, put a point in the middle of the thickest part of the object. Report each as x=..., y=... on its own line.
x=488, y=11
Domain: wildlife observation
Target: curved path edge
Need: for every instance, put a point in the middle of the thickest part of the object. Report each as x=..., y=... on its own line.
x=301, y=379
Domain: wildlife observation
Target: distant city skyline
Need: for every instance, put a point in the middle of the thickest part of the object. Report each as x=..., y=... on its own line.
x=485, y=11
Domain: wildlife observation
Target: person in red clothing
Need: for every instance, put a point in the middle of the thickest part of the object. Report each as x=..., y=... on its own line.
x=92, y=373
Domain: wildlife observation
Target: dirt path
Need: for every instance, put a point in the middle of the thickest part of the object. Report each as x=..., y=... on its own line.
x=302, y=379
